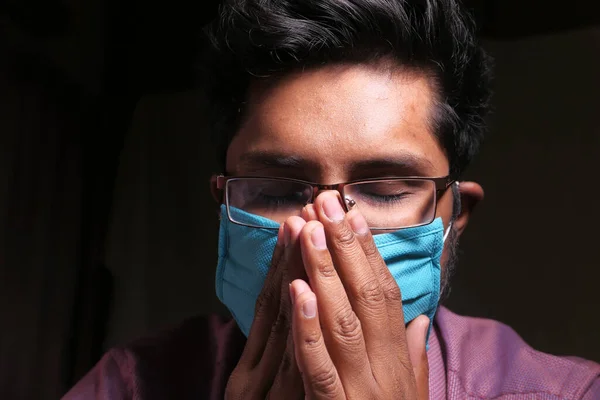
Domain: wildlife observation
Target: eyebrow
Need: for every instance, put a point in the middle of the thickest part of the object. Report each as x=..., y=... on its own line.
x=403, y=163
x=263, y=159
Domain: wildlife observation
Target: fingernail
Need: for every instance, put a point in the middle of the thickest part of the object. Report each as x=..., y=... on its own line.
x=280, y=235
x=309, y=308
x=333, y=209
x=317, y=236
x=292, y=293
x=359, y=224
x=287, y=235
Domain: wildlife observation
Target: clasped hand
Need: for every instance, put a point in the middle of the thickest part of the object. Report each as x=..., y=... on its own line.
x=328, y=323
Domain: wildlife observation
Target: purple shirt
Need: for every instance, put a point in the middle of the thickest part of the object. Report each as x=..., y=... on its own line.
x=469, y=358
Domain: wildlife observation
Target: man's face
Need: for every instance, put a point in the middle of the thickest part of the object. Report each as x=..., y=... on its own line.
x=341, y=123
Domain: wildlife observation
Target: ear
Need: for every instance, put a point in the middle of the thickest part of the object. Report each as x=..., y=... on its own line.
x=216, y=193
x=471, y=193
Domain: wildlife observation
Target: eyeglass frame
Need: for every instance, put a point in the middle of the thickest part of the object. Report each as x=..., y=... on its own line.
x=441, y=183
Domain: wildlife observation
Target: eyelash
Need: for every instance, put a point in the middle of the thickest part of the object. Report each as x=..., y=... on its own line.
x=388, y=198
x=278, y=200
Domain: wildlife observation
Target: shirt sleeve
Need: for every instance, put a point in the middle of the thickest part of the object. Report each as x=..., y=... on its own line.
x=106, y=381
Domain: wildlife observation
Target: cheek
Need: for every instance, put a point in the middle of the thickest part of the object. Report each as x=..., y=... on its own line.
x=444, y=208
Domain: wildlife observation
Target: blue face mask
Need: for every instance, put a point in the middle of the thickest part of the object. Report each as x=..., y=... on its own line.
x=412, y=255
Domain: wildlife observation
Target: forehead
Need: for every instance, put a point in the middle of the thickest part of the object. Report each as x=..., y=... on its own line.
x=337, y=122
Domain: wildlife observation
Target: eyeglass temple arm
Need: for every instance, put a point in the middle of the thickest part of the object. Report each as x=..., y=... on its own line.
x=221, y=180
x=442, y=184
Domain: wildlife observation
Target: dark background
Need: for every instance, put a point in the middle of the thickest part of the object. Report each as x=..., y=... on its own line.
x=107, y=228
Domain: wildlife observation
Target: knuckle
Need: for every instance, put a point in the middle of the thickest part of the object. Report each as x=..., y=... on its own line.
x=348, y=329
x=391, y=291
x=345, y=238
x=325, y=268
x=371, y=293
x=312, y=338
x=324, y=383
x=347, y=245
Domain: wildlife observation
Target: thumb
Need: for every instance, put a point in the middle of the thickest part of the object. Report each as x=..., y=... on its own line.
x=416, y=334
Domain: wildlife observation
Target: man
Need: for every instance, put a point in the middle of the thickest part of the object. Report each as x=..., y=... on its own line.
x=343, y=128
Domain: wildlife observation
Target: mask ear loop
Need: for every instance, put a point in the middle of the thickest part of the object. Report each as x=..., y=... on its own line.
x=447, y=233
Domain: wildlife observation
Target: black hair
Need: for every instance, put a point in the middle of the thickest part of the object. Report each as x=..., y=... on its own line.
x=262, y=39
x=456, y=202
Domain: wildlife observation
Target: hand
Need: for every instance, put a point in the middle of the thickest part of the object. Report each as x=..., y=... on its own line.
x=348, y=326
x=267, y=367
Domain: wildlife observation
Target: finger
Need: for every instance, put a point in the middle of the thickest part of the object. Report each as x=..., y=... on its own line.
x=288, y=381
x=291, y=268
x=416, y=336
x=391, y=291
x=266, y=308
x=362, y=285
x=319, y=375
x=309, y=213
x=342, y=330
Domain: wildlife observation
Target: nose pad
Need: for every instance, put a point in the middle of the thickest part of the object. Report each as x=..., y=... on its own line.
x=350, y=203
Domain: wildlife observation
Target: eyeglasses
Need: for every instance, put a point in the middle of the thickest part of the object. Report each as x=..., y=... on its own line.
x=386, y=203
